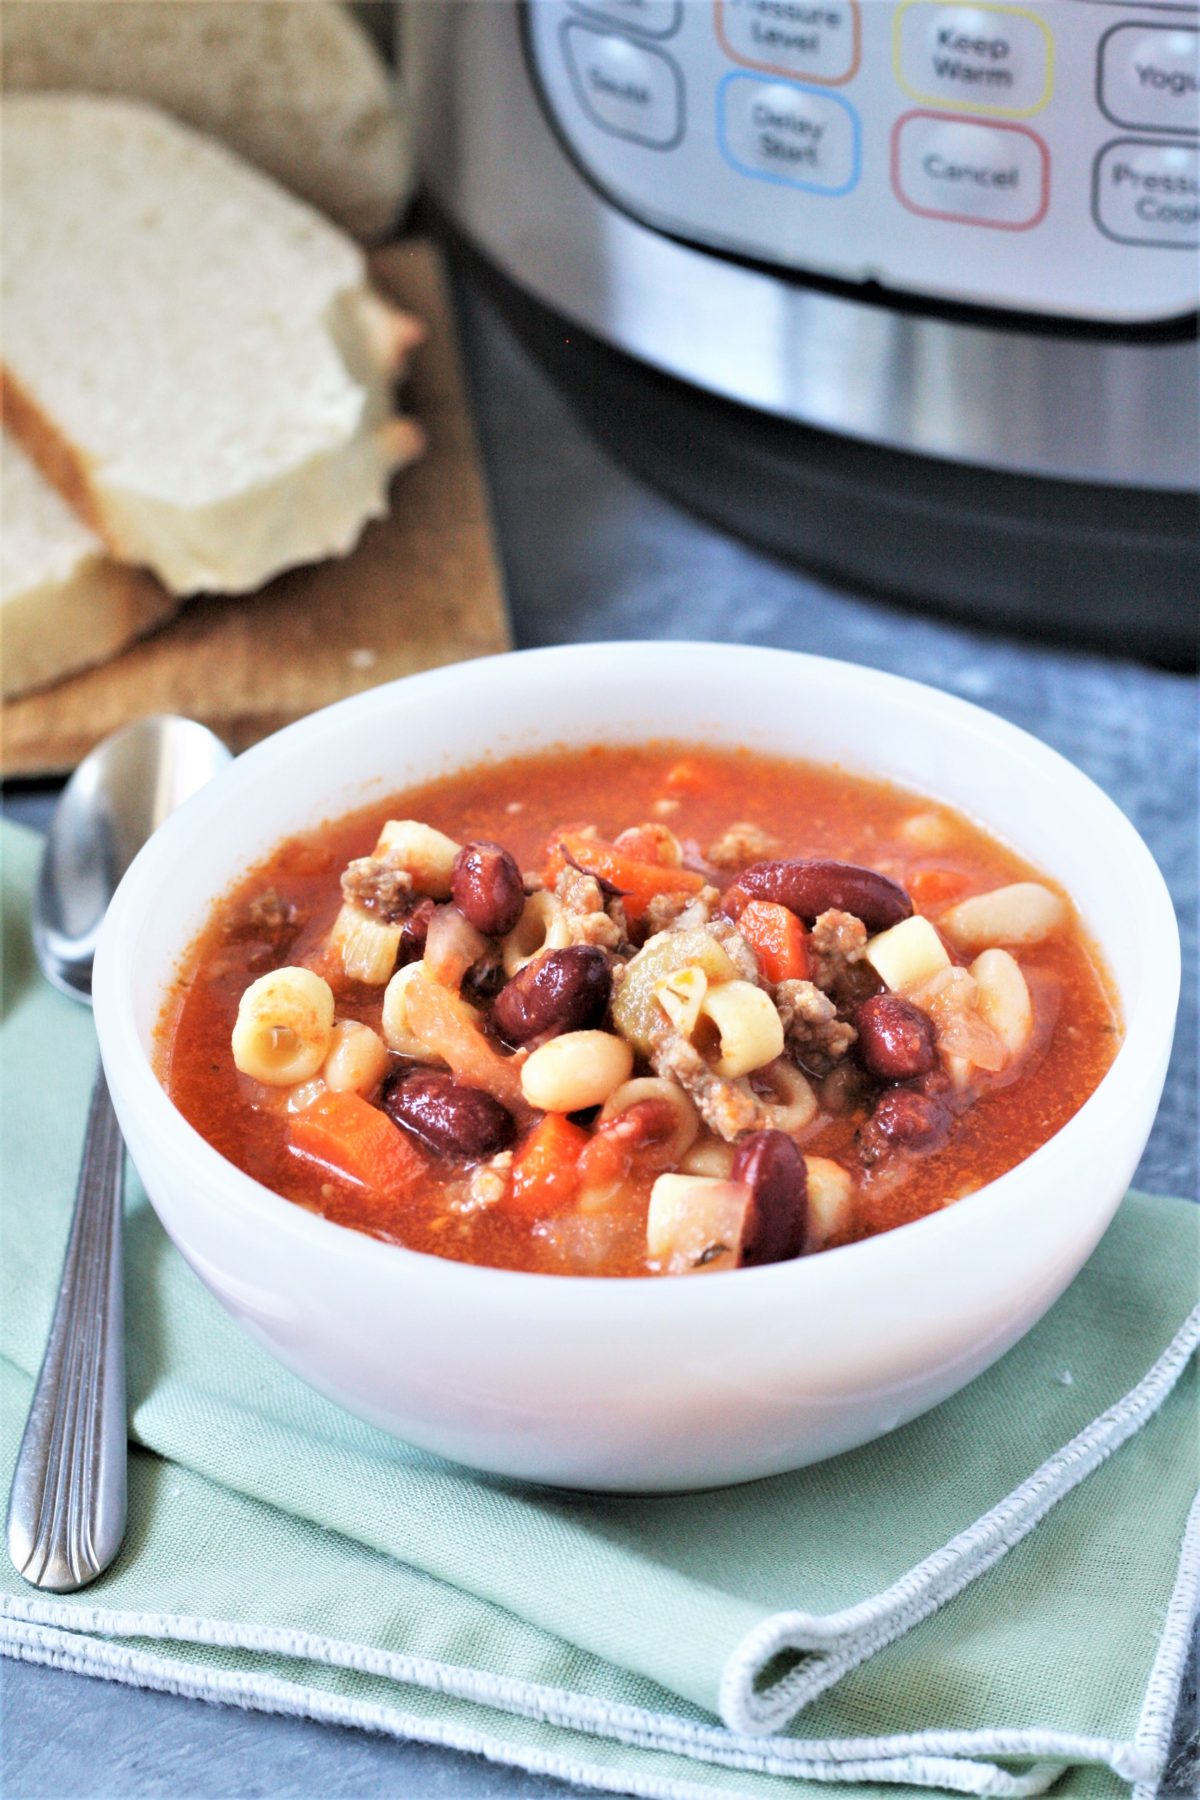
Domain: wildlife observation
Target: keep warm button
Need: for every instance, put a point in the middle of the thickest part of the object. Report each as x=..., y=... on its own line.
x=971, y=174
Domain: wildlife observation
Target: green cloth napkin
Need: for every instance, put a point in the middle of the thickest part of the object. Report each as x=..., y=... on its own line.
x=868, y=1613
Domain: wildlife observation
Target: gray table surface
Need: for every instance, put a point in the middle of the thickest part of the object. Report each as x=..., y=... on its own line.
x=589, y=553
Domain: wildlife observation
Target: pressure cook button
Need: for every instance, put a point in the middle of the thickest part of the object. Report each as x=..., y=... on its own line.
x=1150, y=76
x=973, y=174
x=988, y=59
x=1149, y=194
x=819, y=40
x=783, y=132
x=625, y=88
x=654, y=18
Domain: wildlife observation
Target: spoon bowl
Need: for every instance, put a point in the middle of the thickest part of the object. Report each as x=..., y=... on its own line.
x=118, y=796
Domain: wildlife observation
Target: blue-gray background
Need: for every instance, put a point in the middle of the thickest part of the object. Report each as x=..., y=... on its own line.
x=589, y=552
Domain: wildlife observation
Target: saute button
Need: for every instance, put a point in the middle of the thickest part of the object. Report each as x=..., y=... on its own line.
x=625, y=88
x=655, y=18
x=974, y=174
x=783, y=132
x=1150, y=76
x=993, y=59
x=815, y=39
x=1148, y=194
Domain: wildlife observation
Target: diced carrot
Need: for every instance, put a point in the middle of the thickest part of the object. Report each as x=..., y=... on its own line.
x=777, y=938
x=930, y=888
x=545, y=1170
x=347, y=1134
x=638, y=881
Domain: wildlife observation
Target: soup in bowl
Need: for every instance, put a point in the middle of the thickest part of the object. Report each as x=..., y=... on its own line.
x=803, y=987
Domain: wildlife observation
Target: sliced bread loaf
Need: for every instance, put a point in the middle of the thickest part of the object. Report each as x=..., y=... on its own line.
x=64, y=603
x=300, y=90
x=192, y=356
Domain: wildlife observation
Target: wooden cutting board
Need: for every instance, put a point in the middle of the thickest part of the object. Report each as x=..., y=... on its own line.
x=423, y=587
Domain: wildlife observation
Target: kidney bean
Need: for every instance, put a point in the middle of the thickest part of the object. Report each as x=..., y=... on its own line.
x=777, y=1217
x=562, y=990
x=487, y=887
x=415, y=930
x=896, y=1039
x=904, y=1119
x=452, y=1119
x=811, y=885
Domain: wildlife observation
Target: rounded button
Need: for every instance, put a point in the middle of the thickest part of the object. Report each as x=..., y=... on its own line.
x=654, y=18
x=782, y=132
x=973, y=174
x=1150, y=77
x=1148, y=194
x=988, y=59
x=818, y=41
x=627, y=89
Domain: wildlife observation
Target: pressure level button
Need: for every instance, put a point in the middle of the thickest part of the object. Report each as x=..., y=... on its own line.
x=1150, y=77
x=627, y=89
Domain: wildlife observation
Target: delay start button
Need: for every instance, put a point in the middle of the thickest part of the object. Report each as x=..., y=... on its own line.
x=780, y=131
x=971, y=174
x=627, y=89
x=1148, y=194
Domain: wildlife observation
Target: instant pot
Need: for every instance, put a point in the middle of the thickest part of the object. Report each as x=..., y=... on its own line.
x=908, y=291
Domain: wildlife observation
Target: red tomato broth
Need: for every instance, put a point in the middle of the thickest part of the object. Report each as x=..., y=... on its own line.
x=812, y=810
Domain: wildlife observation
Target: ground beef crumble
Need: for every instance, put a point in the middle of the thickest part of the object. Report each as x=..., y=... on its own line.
x=378, y=889
x=726, y=1107
x=815, y=1035
x=741, y=845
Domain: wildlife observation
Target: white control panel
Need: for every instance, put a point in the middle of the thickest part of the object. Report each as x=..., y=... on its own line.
x=1042, y=158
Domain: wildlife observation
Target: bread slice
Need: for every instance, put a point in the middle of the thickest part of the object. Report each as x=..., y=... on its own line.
x=190, y=355
x=300, y=90
x=64, y=603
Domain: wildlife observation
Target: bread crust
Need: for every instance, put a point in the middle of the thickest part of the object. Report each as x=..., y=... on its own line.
x=53, y=455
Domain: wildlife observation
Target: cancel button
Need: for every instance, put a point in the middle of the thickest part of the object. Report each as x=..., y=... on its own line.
x=974, y=174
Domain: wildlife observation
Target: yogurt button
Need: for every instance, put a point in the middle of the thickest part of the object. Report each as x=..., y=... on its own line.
x=625, y=88
x=1150, y=76
x=981, y=58
x=974, y=174
x=656, y=18
x=1148, y=194
x=788, y=133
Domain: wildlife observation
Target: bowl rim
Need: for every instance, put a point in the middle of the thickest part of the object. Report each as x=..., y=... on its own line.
x=1139, y=1062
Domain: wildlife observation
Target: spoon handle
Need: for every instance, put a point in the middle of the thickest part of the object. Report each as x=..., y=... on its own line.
x=66, y=1514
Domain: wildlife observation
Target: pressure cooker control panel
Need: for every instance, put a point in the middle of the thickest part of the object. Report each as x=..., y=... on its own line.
x=1041, y=157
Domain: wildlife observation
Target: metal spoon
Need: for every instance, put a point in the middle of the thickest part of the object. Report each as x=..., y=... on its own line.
x=66, y=1512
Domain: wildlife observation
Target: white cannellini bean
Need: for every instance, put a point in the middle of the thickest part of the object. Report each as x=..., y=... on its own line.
x=575, y=1070
x=695, y=1221
x=1002, y=996
x=749, y=1027
x=357, y=1059
x=708, y=1156
x=830, y=1200
x=1023, y=913
x=669, y=1093
x=426, y=854
x=542, y=926
x=927, y=830
x=907, y=954
x=284, y=1026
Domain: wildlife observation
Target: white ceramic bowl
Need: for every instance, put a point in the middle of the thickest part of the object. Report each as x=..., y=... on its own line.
x=653, y=1384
